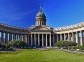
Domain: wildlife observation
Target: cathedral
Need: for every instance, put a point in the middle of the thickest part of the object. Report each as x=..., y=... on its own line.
x=42, y=35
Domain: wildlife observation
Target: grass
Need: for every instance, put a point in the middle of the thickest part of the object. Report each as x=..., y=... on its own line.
x=32, y=55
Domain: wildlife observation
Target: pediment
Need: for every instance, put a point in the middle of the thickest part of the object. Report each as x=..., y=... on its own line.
x=41, y=28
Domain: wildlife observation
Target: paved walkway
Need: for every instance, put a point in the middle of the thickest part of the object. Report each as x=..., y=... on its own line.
x=74, y=51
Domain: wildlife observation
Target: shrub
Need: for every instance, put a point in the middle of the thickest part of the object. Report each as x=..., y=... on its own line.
x=59, y=44
x=17, y=44
x=12, y=43
x=21, y=44
x=65, y=44
x=72, y=43
x=79, y=47
x=3, y=47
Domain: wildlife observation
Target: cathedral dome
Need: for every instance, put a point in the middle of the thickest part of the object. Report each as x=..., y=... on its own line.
x=40, y=13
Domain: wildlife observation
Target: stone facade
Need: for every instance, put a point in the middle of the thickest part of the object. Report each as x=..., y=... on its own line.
x=41, y=35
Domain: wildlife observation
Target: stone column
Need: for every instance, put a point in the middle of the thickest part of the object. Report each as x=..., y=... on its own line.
x=18, y=37
x=31, y=40
x=64, y=36
x=5, y=37
x=12, y=36
x=35, y=40
x=41, y=22
x=22, y=37
x=57, y=37
x=8, y=37
x=28, y=39
x=25, y=37
x=68, y=37
x=81, y=37
x=42, y=41
x=72, y=37
x=46, y=40
x=60, y=37
x=38, y=22
x=15, y=36
x=77, y=38
x=2, y=37
x=38, y=40
x=50, y=40
x=53, y=39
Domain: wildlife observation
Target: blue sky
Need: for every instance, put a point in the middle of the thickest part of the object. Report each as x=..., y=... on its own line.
x=58, y=12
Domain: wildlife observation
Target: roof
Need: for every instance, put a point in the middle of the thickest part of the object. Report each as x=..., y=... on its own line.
x=40, y=13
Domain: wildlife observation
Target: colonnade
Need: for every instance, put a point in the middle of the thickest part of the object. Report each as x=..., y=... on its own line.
x=5, y=37
x=33, y=40
x=42, y=40
x=40, y=22
x=77, y=37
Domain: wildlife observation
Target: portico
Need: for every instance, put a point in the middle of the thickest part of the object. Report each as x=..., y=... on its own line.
x=41, y=39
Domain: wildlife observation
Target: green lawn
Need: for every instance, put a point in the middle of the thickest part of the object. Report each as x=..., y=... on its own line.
x=31, y=55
